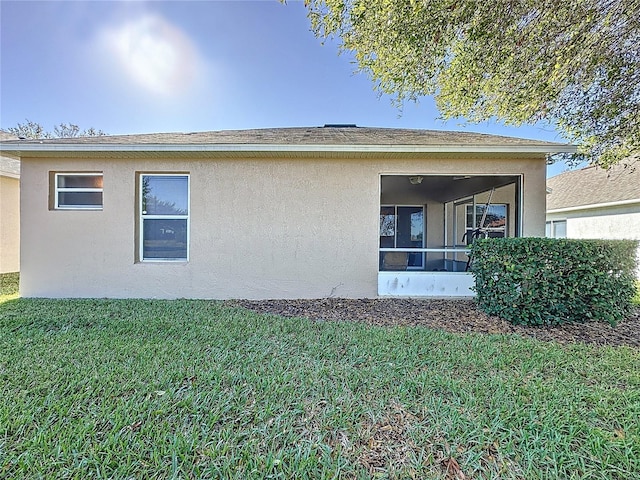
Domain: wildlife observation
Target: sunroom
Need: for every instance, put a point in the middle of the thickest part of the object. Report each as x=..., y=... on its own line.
x=427, y=223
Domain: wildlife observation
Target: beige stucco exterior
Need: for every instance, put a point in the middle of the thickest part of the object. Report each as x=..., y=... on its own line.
x=259, y=227
x=614, y=222
x=9, y=223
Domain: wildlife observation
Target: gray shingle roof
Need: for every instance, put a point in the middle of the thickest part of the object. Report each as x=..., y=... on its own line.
x=7, y=136
x=9, y=166
x=594, y=185
x=305, y=136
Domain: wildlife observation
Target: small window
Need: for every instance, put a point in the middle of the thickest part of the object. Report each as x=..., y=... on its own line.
x=164, y=217
x=78, y=191
x=556, y=229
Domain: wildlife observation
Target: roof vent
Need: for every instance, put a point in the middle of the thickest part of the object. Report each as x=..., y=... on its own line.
x=340, y=125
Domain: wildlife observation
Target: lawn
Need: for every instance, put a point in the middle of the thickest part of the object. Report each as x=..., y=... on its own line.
x=9, y=283
x=195, y=389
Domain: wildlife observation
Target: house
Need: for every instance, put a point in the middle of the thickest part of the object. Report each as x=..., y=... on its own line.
x=312, y=212
x=595, y=203
x=9, y=211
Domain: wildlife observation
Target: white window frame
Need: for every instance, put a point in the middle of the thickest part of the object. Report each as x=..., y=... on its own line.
x=551, y=228
x=58, y=190
x=142, y=217
x=474, y=206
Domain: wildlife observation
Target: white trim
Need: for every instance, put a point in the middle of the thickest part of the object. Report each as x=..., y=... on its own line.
x=57, y=190
x=595, y=205
x=142, y=218
x=519, y=186
x=428, y=250
x=18, y=148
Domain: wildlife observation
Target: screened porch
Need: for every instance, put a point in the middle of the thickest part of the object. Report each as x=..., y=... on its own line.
x=427, y=223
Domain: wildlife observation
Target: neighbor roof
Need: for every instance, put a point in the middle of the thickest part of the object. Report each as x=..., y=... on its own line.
x=595, y=186
x=301, y=139
x=9, y=167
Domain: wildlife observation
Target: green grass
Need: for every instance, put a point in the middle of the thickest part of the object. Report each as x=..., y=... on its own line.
x=9, y=283
x=194, y=389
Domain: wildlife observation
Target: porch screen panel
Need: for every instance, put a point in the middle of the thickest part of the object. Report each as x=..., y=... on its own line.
x=410, y=233
x=402, y=227
x=387, y=227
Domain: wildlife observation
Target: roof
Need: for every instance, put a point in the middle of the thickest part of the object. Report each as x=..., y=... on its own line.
x=595, y=186
x=340, y=138
x=9, y=167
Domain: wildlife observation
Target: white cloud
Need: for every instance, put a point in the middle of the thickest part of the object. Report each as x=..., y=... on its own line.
x=154, y=54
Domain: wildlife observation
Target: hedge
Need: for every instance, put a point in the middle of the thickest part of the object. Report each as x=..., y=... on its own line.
x=546, y=281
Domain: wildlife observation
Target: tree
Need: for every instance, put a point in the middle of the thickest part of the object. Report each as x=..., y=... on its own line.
x=572, y=63
x=34, y=130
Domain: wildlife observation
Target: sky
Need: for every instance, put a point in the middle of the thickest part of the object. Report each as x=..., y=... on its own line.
x=128, y=67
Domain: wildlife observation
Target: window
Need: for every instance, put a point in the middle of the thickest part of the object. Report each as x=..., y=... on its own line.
x=556, y=229
x=495, y=220
x=78, y=191
x=401, y=227
x=164, y=217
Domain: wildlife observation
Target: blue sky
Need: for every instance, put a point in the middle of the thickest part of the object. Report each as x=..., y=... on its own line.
x=157, y=66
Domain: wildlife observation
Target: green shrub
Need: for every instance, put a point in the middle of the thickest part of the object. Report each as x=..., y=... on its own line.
x=545, y=281
x=636, y=299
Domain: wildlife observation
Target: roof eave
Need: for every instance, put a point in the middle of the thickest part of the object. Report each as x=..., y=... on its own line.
x=619, y=203
x=6, y=173
x=19, y=149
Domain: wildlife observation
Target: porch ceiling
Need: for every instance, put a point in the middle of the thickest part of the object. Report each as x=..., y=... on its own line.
x=444, y=188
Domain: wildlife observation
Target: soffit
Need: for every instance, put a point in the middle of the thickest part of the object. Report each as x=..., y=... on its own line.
x=444, y=188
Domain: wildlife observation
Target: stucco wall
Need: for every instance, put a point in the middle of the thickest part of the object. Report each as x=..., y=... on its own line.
x=609, y=223
x=9, y=224
x=260, y=228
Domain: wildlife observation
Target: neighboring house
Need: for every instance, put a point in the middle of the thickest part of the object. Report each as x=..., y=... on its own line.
x=595, y=203
x=274, y=213
x=9, y=211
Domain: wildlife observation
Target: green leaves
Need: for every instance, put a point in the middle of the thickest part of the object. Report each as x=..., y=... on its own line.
x=572, y=63
x=543, y=281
